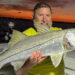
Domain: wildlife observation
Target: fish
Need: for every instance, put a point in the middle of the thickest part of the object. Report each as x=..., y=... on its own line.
x=52, y=43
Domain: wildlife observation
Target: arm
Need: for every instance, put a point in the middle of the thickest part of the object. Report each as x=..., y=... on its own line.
x=35, y=58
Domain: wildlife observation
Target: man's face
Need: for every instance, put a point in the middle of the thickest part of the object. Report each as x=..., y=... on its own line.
x=43, y=16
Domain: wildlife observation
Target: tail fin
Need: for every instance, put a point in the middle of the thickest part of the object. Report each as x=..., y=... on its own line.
x=3, y=47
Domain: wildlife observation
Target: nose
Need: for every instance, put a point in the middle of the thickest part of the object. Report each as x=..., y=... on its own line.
x=44, y=19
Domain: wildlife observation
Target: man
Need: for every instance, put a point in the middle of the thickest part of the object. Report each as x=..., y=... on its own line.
x=36, y=64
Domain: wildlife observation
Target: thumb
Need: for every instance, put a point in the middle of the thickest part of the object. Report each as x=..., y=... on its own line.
x=43, y=58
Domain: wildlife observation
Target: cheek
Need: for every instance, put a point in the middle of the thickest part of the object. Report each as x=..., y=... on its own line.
x=38, y=19
x=49, y=20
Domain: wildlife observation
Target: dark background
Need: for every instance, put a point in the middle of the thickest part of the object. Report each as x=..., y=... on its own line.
x=23, y=24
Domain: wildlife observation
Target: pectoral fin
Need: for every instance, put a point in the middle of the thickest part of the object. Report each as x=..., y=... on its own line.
x=56, y=59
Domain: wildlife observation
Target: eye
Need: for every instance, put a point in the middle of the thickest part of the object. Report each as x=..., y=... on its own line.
x=40, y=14
x=48, y=15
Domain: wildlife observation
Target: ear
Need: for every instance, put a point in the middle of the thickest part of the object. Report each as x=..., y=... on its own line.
x=33, y=16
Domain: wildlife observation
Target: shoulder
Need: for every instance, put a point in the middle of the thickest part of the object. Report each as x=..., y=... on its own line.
x=31, y=31
x=55, y=28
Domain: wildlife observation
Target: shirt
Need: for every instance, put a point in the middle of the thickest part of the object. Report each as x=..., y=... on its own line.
x=45, y=67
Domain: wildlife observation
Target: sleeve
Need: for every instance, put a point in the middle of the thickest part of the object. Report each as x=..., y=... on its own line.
x=55, y=28
x=30, y=32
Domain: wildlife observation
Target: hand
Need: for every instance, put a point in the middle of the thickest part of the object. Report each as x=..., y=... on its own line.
x=36, y=57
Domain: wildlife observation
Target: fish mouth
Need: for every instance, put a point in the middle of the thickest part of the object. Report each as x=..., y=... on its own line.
x=69, y=41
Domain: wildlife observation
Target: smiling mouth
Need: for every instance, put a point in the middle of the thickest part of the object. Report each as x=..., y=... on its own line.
x=45, y=24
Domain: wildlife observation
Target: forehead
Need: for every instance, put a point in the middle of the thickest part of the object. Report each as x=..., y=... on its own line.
x=43, y=10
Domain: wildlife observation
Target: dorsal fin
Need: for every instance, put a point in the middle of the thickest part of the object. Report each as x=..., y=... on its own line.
x=16, y=37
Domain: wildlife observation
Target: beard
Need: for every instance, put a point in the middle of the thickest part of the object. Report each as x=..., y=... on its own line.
x=42, y=27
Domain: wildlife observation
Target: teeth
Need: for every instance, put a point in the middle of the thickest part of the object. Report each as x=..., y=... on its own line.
x=44, y=23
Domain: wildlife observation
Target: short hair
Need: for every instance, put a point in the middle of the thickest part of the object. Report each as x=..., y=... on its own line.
x=41, y=5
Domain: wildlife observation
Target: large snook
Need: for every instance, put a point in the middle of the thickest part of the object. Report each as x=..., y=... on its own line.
x=53, y=44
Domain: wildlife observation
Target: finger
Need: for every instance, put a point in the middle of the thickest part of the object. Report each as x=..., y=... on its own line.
x=36, y=53
x=39, y=53
x=39, y=56
x=36, y=56
x=32, y=55
x=43, y=58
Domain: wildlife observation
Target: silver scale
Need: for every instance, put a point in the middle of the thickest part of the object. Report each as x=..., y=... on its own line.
x=69, y=61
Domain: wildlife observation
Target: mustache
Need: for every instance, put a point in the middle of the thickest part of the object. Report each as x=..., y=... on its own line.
x=44, y=23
